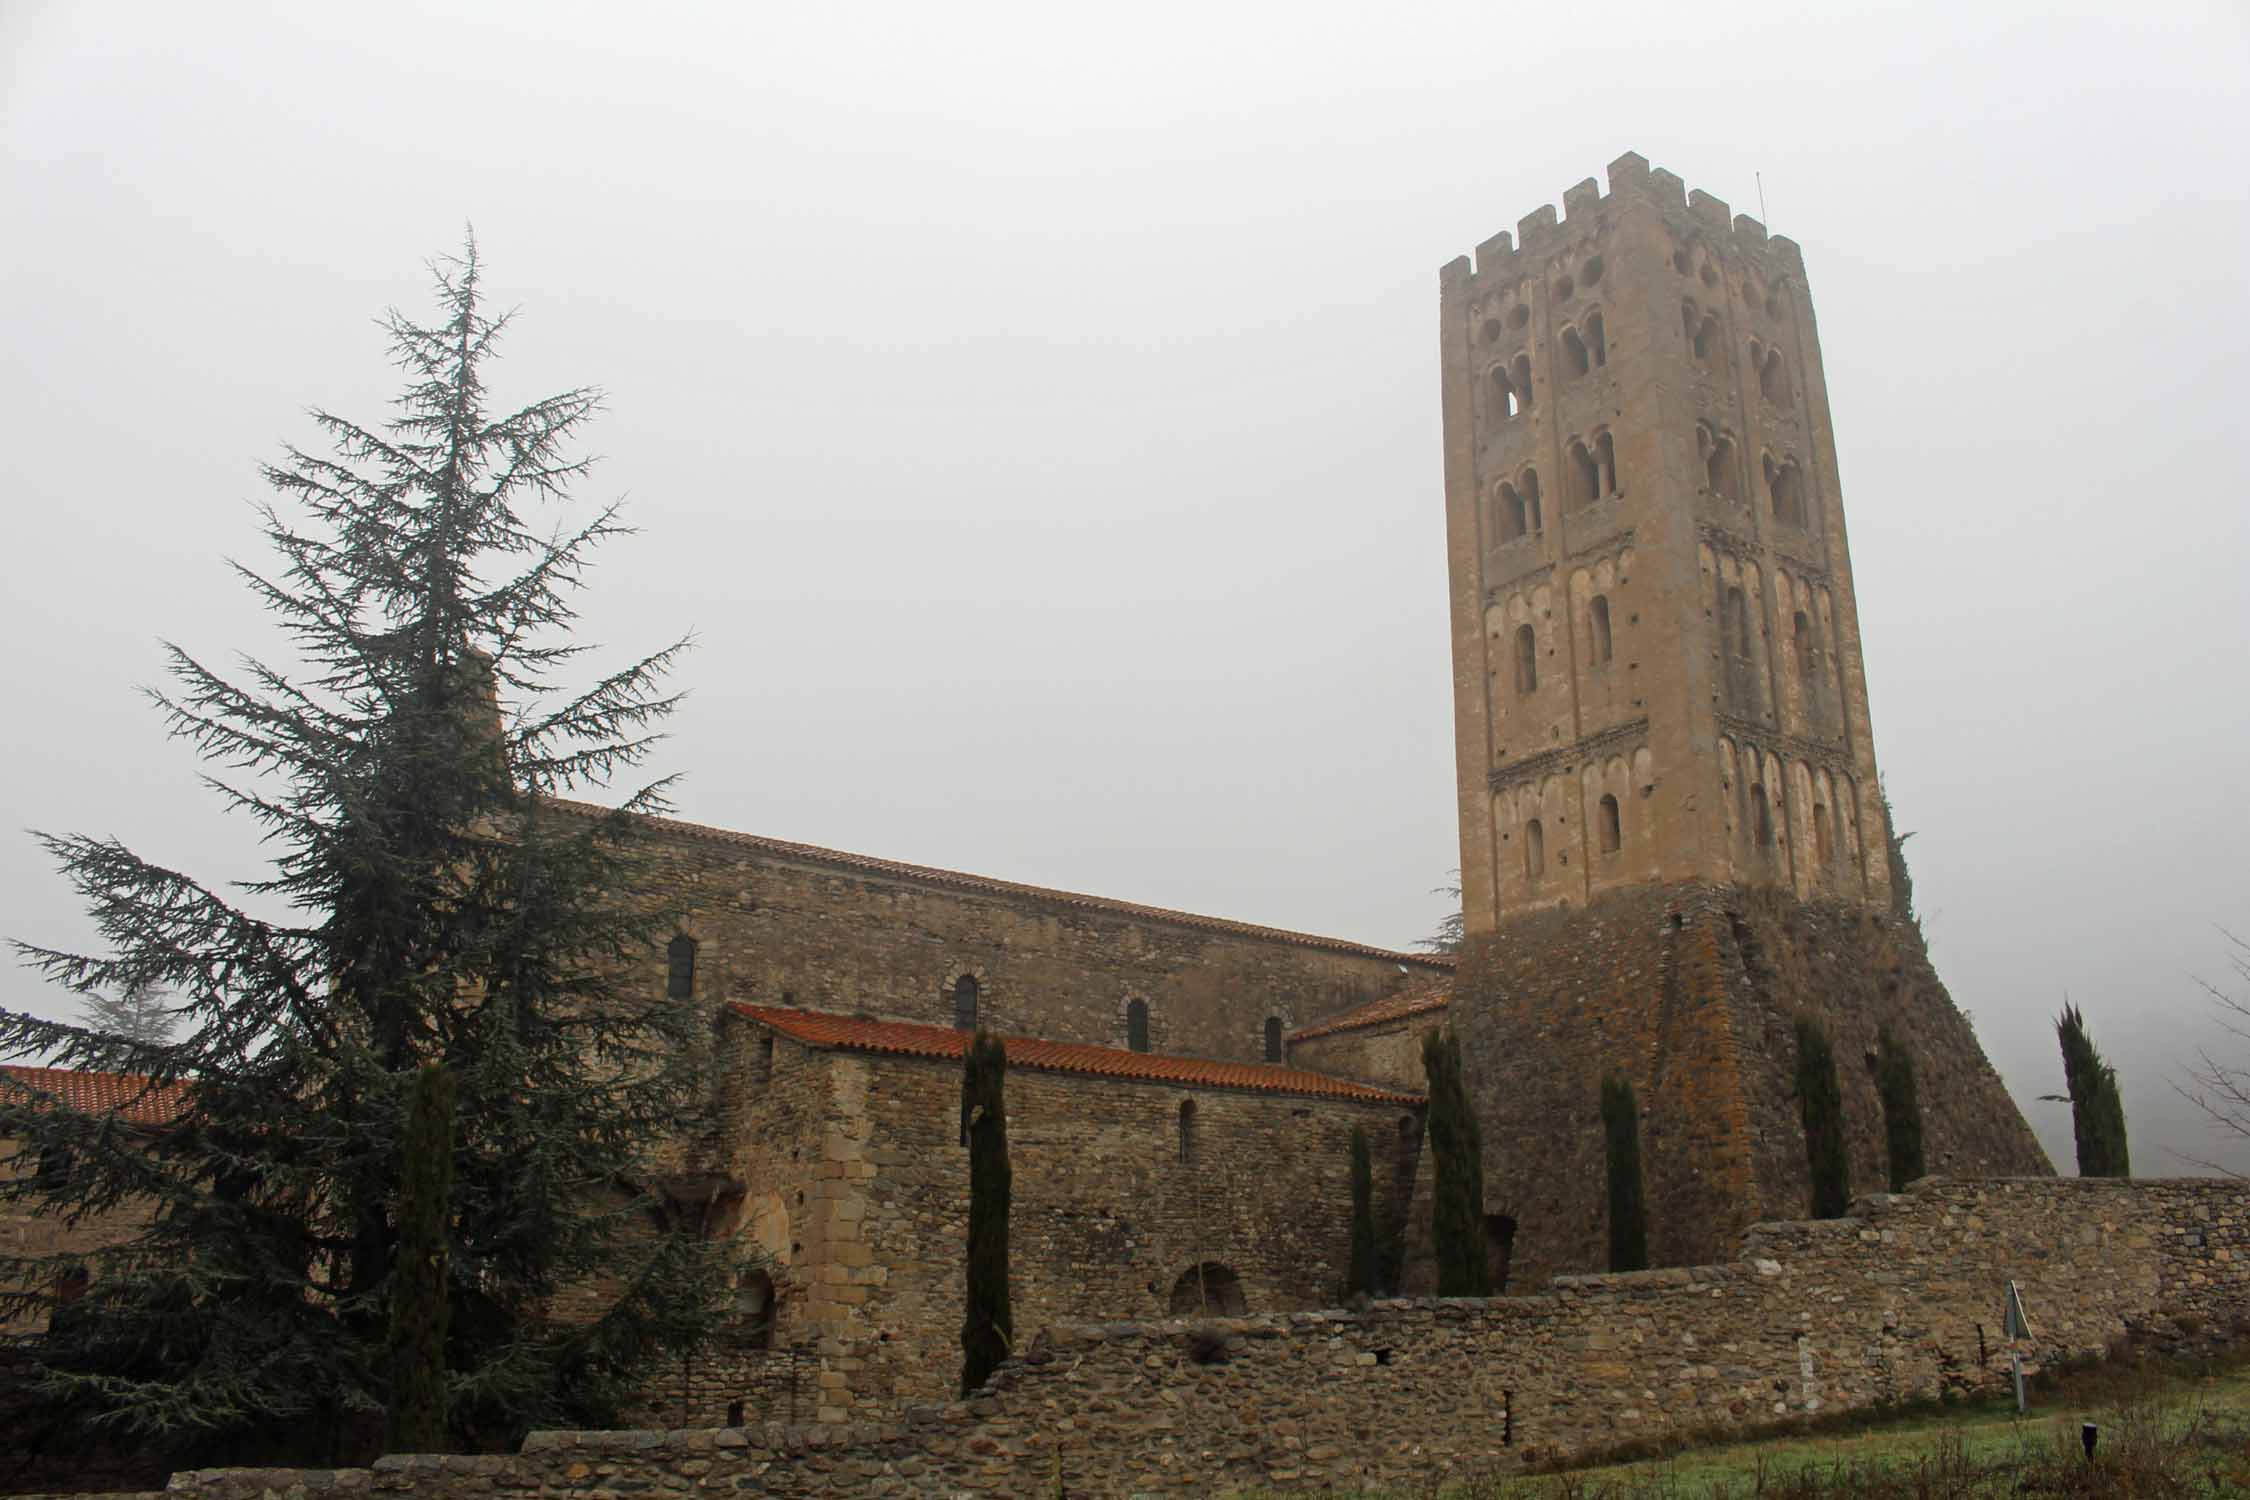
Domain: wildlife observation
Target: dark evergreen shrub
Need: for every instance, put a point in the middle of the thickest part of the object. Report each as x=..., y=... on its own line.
x=1902, y=1109
x=1360, y=1279
x=1457, y=1197
x=1628, y=1206
x=988, y=1325
x=1821, y=1105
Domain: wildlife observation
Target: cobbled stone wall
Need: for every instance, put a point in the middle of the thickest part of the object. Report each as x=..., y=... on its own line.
x=1881, y=1306
x=859, y=1186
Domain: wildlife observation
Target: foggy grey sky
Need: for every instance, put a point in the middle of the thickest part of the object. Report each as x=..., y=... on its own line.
x=1033, y=411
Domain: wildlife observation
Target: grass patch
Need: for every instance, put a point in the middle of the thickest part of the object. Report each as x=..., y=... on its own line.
x=2166, y=1430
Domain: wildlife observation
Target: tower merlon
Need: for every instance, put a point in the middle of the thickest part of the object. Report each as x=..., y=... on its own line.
x=1631, y=177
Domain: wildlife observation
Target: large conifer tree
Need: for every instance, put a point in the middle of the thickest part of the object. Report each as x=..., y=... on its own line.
x=427, y=901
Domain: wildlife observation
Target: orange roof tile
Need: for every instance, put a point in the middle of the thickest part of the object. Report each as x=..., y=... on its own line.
x=910, y=1039
x=960, y=881
x=1413, y=1000
x=130, y=1096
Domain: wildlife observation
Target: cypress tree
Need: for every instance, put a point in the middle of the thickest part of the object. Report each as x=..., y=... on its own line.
x=1628, y=1205
x=1360, y=1279
x=1820, y=1103
x=416, y=1418
x=426, y=897
x=1457, y=1197
x=1902, y=1109
x=2097, y=1111
x=988, y=1324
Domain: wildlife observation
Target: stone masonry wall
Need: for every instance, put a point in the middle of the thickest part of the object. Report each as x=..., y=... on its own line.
x=1691, y=991
x=1815, y=1317
x=857, y=1189
x=791, y=926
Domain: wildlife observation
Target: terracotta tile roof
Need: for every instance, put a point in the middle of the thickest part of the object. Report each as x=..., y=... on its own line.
x=1413, y=1000
x=910, y=1039
x=130, y=1096
x=869, y=864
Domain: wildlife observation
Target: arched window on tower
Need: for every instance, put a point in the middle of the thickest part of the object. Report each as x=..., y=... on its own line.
x=679, y=968
x=1613, y=830
x=1605, y=464
x=1576, y=361
x=1534, y=852
x=1503, y=395
x=1801, y=643
x=1136, y=1025
x=1518, y=519
x=1773, y=380
x=1527, y=660
x=1519, y=380
x=965, y=1003
x=1528, y=483
x=1703, y=338
x=1718, y=463
x=1822, y=849
x=1737, y=627
x=1598, y=617
x=1585, y=476
x=1761, y=812
x=1785, y=489
x=1597, y=344
x=1273, y=1039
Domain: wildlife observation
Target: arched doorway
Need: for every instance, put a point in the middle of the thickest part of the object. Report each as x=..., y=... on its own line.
x=1208, y=1290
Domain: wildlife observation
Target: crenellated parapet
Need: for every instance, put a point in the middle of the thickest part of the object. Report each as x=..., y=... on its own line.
x=1700, y=217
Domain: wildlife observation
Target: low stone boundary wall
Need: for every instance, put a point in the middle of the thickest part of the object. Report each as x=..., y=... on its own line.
x=1901, y=1300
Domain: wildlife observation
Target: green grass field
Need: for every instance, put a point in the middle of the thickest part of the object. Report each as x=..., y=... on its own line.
x=2165, y=1431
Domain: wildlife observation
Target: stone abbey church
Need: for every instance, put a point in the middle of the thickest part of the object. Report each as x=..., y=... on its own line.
x=1671, y=846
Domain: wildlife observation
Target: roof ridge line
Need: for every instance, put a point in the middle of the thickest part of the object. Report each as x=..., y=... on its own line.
x=936, y=874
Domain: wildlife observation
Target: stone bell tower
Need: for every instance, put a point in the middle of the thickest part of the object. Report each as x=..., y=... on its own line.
x=1672, y=846
x=1657, y=671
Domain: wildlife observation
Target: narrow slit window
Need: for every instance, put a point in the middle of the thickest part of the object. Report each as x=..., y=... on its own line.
x=1821, y=846
x=1527, y=660
x=1598, y=616
x=1605, y=465
x=679, y=968
x=1273, y=1039
x=965, y=1003
x=1187, y=1131
x=1534, y=851
x=1529, y=483
x=1519, y=378
x=1597, y=343
x=1761, y=812
x=1802, y=644
x=1136, y=1025
x=1613, y=828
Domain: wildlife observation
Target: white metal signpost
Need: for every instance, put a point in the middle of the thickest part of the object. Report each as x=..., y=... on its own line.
x=2013, y=1326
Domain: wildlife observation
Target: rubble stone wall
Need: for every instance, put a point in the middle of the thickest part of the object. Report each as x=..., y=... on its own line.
x=858, y=1192
x=834, y=932
x=1885, y=1305
x=1692, y=992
